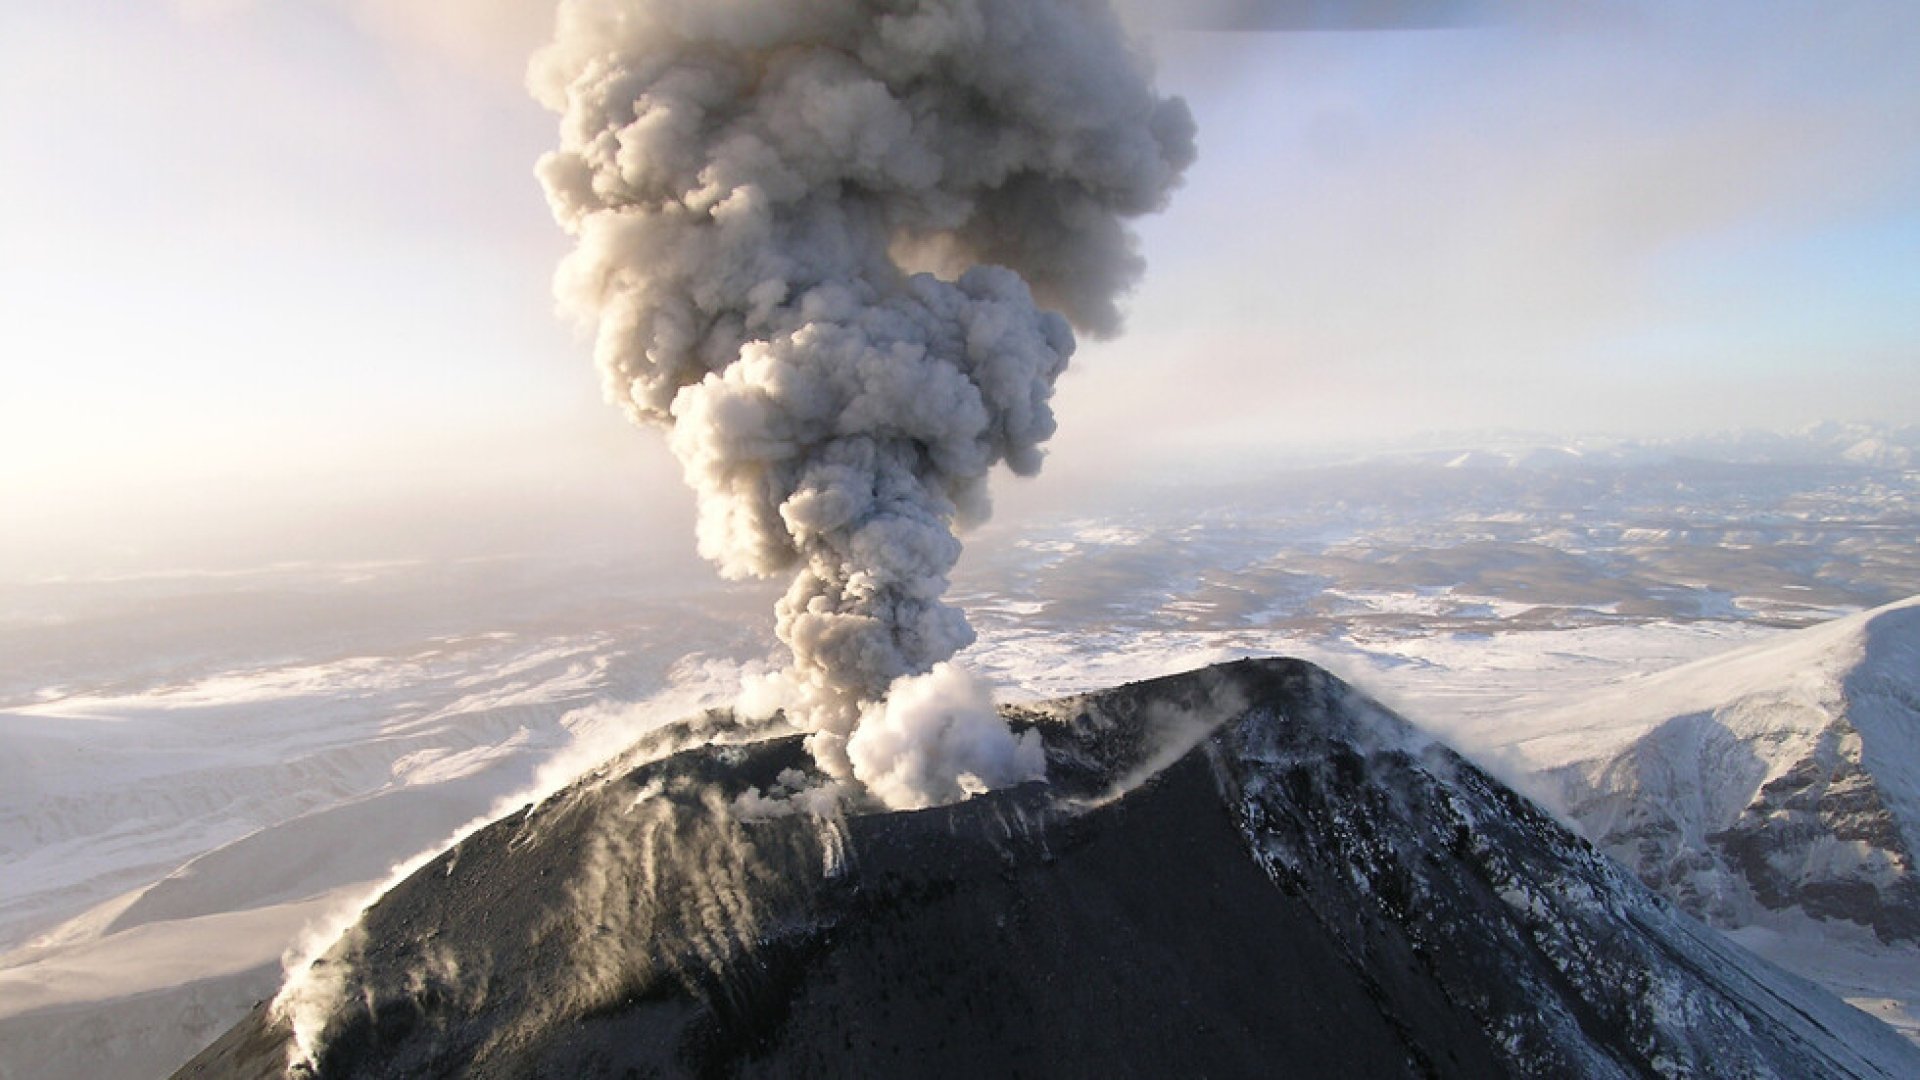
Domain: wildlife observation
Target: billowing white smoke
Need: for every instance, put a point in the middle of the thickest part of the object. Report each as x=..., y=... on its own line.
x=937, y=739
x=750, y=183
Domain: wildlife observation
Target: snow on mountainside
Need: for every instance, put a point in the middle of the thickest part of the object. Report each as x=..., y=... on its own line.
x=1247, y=870
x=1780, y=781
x=1784, y=774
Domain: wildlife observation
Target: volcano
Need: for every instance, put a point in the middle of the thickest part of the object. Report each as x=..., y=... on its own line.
x=1248, y=870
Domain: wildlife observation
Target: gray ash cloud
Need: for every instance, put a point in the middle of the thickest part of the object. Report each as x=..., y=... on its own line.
x=839, y=249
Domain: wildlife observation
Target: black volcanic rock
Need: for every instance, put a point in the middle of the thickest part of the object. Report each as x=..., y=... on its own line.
x=1249, y=870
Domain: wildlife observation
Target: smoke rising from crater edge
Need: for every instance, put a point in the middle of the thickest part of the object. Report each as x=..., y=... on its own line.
x=751, y=186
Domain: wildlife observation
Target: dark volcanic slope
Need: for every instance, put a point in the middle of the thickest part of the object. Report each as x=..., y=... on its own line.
x=1301, y=886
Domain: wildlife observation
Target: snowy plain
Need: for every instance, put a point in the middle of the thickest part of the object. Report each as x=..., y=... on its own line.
x=198, y=769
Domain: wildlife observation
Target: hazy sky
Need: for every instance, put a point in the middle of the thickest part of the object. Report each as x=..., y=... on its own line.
x=288, y=256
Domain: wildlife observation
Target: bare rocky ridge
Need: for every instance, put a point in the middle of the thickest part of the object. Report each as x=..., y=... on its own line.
x=1246, y=870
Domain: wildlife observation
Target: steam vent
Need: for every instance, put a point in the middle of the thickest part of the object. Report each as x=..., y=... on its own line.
x=1248, y=870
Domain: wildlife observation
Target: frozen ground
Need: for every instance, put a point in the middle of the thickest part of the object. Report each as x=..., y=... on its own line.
x=264, y=748
x=194, y=768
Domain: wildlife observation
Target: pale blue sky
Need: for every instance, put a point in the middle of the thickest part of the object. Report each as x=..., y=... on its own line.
x=277, y=255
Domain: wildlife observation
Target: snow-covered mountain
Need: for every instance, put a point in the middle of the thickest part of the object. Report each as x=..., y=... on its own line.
x=1774, y=791
x=1785, y=774
x=1246, y=870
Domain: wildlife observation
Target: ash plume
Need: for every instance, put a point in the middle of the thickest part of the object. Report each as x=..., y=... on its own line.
x=838, y=250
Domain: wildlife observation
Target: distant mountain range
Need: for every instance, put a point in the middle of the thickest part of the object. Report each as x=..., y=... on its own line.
x=1249, y=870
x=1879, y=446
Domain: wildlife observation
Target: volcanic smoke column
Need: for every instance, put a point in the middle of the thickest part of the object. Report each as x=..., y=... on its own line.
x=815, y=238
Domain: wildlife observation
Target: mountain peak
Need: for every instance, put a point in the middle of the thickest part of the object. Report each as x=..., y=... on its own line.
x=1782, y=775
x=1245, y=870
